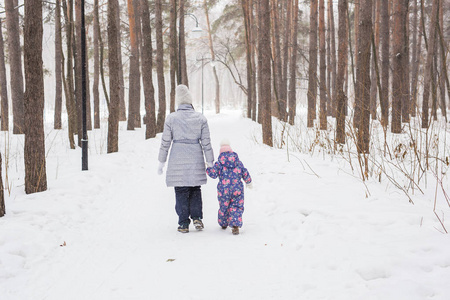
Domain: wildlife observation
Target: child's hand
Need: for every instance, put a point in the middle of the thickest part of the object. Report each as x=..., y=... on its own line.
x=249, y=185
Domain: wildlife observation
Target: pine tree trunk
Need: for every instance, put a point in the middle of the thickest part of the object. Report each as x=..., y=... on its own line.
x=312, y=73
x=416, y=47
x=114, y=77
x=373, y=74
x=429, y=64
x=322, y=67
x=287, y=44
x=254, y=36
x=95, y=87
x=15, y=61
x=173, y=46
x=3, y=90
x=78, y=89
x=213, y=58
x=182, y=45
x=134, y=77
x=363, y=75
x=397, y=64
x=405, y=63
x=328, y=58
x=122, y=105
x=357, y=104
x=293, y=66
x=333, y=59
x=279, y=99
x=88, y=86
x=265, y=72
x=147, y=72
x=342, y=66
x=58, y=75
x=442, y=65
x=160, y=67
x=385, y=45
x=248, y=50
x=34, y=150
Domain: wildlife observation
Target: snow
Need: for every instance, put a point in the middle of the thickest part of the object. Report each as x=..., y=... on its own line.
x=311, y=228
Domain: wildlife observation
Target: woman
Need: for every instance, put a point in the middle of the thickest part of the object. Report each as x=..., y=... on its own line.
x=187, y=132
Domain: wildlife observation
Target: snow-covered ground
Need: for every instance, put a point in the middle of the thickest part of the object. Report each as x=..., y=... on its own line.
x=311, y=230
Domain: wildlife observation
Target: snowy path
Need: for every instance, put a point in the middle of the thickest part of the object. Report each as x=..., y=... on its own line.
x=305, y=235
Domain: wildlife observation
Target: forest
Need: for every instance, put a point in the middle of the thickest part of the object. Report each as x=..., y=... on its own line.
x=366, y=81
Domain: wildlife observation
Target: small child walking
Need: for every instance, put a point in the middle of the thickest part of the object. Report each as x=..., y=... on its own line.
x=230, y=190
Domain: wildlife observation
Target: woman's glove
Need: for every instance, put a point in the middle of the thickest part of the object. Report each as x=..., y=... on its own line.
x=160, y=168
x=249, y=185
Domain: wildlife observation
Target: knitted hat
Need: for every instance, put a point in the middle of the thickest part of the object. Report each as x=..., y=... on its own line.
x=182, y=95
x=225, y=146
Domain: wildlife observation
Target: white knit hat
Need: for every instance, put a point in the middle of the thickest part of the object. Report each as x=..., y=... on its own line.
x=182, y=95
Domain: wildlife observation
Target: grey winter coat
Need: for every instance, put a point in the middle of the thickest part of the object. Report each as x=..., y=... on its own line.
x=188, y=133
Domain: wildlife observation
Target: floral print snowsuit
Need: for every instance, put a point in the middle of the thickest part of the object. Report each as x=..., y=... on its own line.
x=230, y=190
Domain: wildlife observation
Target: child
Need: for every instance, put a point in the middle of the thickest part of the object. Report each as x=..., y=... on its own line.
x=230, y=190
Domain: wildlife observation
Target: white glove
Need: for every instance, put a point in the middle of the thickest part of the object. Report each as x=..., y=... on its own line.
x=210, y=164
x=249, y=185
x=160, y=168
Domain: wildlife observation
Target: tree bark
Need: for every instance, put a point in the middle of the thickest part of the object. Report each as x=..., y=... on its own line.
x=147, y=72
x=312, y=73
x=2, y=193
x=385, y=45
x=173, y=46
x=78, y=89
x=373, y=74
x=429, y=64
x=58, y=74
x=442, y=65
x=182, y=46
x=363, y=75
x=293, y=66
x=342, y=67
x=278, y=101
x=248, y=47
x=95, y=87
x=15, y=58
x=88, y=86
x=333, y=59
x=160, y=67
x=114, y=75
x=322, y=67
x=134, y=91
x=213, y=58
x=416, y=49
x=34, y=149
x=122, y=105
x=3, y=90
x=287, y=44
x=265, y=72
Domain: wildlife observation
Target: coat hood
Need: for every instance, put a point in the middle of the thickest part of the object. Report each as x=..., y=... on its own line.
x=228, y=159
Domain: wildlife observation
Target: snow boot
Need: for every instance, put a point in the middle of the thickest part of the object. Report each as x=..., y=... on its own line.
x=198, y=224
x=183, y=228
x=235, y=230
x=224, y=227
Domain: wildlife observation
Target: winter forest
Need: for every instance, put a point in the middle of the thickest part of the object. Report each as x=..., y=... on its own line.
x=338, y=109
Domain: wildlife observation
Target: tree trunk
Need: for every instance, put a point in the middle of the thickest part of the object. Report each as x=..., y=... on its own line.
x=342, y=66
x=58, y=75
x=182, y=46
x=429, y=63
x=279, y=100
x=78, y=89
x=265, y=74
x=114, y=77
x=357, y=104
x=333, y=59
x=95, y=87
x=147, y=74
x=416, y=49
x=405, y=62
x=15, y=62
x=322, y=67
x=122, y=105
x=254, y=36
x=248, y=48
x=34, y=149
x=135, y=76
x=287, y=43
x=173, y=46
x=328, y=58
x=363, y=75
x=385, y=43
x=3, y=90
x=160, y=67
x=312, y=73
x=88, y=86
x=442, y=65
x=213, y=58
x=373, y=74
x=2, y=193
x=293, y=66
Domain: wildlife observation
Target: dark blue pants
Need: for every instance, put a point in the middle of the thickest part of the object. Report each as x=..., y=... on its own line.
x=188, y=203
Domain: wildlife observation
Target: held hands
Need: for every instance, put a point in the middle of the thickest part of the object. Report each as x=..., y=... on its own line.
x=209, y=164
x=160, y=168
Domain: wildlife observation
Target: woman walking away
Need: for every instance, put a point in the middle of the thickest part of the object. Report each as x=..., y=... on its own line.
x=186, y=133
x=230, y=190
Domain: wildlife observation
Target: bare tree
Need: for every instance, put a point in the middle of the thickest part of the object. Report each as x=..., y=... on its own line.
x=312, y=77
x=289, y=40
x=429, y=63
x=3, y=88
x=147, y=74
x=322, y=68
x=58, y=66
x=293, y=66
x=183, y=77
x=95, y=86
x=15, y=61
x=416, y=50
x=265, y=72
x=160, y=67
x=135, y=75
x=342, y=66
x=122, y=107
x=249, y=52
x=385, y=44
x=332, y=67
x=173, y=47
x=442, y=63
x=363, y=75
x=114, y=75
x=34, y=149
x=278, y=100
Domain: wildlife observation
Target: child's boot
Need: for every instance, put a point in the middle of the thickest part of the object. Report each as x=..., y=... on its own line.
x=235, y=230
x=198, y=224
